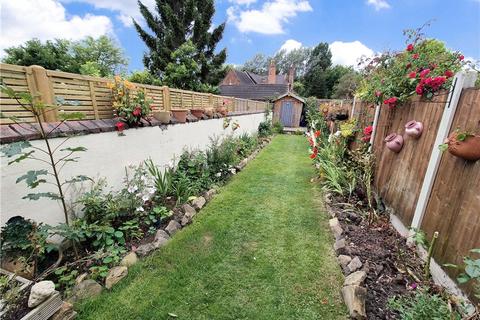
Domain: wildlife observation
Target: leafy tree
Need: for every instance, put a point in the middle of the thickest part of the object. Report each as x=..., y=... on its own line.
x=347, y=85
x=183, y=71
x=144, y=77
x=315, y=75
x=52, y=55
x=175, y=22
x=297, y=58
x=106, y=55
x=257, y=64
x=89, y=56
x=333, y=74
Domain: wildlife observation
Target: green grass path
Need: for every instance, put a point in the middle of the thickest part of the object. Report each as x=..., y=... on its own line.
x=261, y=249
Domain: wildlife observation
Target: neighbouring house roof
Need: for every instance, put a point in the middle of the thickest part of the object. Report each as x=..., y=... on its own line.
x=254, y=91
x=246, y=77
x=290, y=94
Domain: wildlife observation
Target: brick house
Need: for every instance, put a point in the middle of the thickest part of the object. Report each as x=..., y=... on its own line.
x=248, y=85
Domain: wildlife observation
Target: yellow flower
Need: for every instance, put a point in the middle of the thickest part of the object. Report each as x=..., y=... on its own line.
x=110, y=85
x=117, y=78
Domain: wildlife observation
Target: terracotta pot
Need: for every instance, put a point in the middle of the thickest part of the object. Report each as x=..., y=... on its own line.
x=197, y=113
x=209, y=112
x=468, y=149
x=180, y=115
x=162, y=116
x=414, y=129
x=222, y=110
x=18, y=267
x=394, y=142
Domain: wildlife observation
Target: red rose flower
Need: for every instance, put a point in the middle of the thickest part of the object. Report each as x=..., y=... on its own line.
x=120, y=126
x=368, y=130
x=412, y=75
x=449, y=73
x=415, y=56
x=461, y=57
x=137, y=112
x=424, y=72
x=419, y=89
x=317, y=133
x=410, y=47
x=392, y=102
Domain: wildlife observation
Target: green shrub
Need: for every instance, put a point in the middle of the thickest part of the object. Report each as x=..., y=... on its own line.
x=422, y=306
x=277, y=127
x=265, y=129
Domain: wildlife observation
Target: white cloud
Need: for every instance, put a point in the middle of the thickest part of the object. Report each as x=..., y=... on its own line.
x=22, y=20
x=348, y=53
x=378, y=4
x=270, y=18
x=242, y=2
x=290, y=45
x=126, y=9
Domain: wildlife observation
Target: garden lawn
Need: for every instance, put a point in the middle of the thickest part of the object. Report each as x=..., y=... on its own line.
x=261, y=249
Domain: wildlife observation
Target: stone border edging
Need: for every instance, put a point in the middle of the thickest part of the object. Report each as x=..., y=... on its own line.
x=29, y=131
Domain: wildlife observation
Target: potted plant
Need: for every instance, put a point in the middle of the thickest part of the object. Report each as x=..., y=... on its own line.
x=180, y=115
x=222, y=110
x=209, y=112
x=162, y=116
x=197, y=112
x=463, y=144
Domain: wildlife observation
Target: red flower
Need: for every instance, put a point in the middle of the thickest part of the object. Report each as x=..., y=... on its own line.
x=378, y=93
x=392, y=102
x=317, y=133
x=461, y=57
x=410, y=47
x=137, y=112
x=409, y=65
x=412, y=75
x=310, y=141
x=415, y=56
x=120, y=126
x=424, y=72
x=449, y=73
x=314, y=153
x=368, y=130
x=366, y=139
x=419, y=89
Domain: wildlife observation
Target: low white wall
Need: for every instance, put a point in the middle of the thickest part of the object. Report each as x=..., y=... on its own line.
x=107, y=156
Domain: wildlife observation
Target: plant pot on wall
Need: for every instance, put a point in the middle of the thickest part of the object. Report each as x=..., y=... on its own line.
x=180, y=115
x=197, y=113
x=222, y=110
x=467, y=148
x=414, y=129
x=162, y=116
x=394, y=142
x=209, y=112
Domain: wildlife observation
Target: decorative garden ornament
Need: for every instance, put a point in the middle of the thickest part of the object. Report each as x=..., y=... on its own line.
x=414, y=129
x=467, y=148
x=394, y=142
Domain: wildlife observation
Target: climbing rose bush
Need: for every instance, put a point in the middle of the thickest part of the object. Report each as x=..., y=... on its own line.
x=423, y=68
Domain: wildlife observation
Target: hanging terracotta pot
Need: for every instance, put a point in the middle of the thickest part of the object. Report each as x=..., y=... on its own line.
x=180, y=115
x=394, y=142
x=414, y=129
x=197, y=113
x=468, y=149
x=162, y=116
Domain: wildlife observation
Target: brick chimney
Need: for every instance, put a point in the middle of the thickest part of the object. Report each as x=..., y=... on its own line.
x=291, y=77
x=272, y=73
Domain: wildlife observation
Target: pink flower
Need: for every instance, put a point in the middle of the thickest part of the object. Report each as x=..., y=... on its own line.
x=378, y=93
x=368, y=130
x=461, y=57
x=392, y=102
x=412, y=75
x=410, y=47
x=419, y=89
x=424, y=72
x=120, y=126
x=415, y=56
x=449, y=73
x=137, y=112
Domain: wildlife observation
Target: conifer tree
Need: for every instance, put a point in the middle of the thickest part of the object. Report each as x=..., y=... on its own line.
x=173, y=23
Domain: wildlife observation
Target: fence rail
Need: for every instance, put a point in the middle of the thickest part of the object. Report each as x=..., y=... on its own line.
x=92, y=97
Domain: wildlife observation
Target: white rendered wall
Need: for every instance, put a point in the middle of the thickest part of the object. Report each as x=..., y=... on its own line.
x=107, y=156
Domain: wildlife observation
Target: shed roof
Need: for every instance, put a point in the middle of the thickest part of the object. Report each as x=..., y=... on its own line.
x=290, y=94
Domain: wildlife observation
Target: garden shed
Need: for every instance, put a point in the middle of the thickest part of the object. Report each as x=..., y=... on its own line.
x=288, y=109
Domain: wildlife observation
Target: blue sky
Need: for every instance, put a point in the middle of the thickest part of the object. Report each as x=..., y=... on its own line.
x=352, y=27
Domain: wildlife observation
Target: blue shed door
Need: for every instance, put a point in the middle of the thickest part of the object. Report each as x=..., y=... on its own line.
x=286, y=116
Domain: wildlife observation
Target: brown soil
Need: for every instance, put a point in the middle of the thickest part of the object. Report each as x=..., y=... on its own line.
x=385, y=257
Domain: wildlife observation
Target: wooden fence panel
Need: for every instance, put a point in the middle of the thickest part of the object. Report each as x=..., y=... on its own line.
x=454, y=205
x=399, y=176
x=16, y=78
